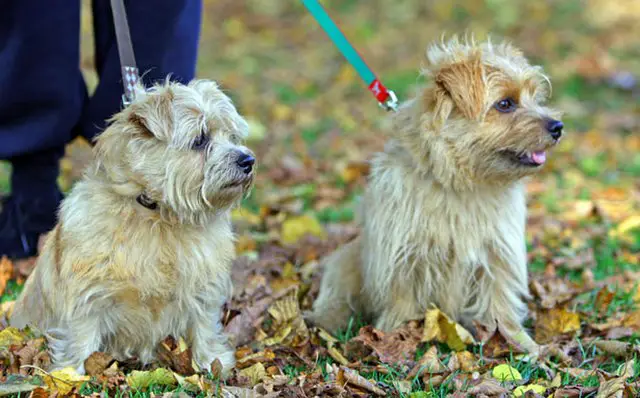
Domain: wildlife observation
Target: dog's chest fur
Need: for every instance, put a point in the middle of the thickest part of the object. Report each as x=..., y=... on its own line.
x=148, y=277
x=436, y=244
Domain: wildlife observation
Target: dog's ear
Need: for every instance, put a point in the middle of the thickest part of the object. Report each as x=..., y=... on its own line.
x=151, y=116
x=460, y=85
x=437, y=101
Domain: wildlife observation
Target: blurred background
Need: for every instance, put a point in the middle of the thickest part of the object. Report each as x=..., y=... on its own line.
x=314, y=124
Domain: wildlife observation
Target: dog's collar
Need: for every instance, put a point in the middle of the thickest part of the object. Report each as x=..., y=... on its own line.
x=145, y=201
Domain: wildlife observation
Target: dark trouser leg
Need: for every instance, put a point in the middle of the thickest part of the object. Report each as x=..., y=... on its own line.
x=165, y=36
x=41, y=98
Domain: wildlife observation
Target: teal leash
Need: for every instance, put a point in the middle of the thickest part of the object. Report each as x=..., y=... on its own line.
x=386, y=98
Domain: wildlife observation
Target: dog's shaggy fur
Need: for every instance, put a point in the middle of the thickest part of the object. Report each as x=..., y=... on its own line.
x=119, y=277
x=443, y=218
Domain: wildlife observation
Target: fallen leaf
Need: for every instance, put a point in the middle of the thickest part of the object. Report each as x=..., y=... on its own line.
x=505, y=372
x=555, y=322
x=242, y=326
x=439, y=327
x=465, y=361
x=488, y=388
x=499, y=344
x=10, y=336
x=6, y=272
x=522, y=390
x=288, y=323
x=176, y=355
x=97, y=363
x=429, y=363
x=255, y=373
x=628, y=225
x=15, y=389
x=397, y=346
x=140, y=380
x=614, y=388
x=64, y=380
x=616, y=348
x=249, y=360
x=296, y=227
x=38, y=392
x=346, y=375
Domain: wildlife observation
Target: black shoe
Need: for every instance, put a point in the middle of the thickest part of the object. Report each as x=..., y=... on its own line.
x=23, y=220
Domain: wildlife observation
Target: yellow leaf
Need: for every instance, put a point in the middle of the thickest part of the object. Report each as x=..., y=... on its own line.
x=64, y=380
x=505, y=372
x=439, y=327
x=255, y=373
x=295, y=228
x=537, y=388
x=282, y=112
x=10, y=336
x=244, y=216
x=554, y=322
x=139, y=380
x=257, y=130
x=628, y=225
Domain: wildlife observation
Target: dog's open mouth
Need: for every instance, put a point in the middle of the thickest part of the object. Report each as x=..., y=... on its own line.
x=531, y=159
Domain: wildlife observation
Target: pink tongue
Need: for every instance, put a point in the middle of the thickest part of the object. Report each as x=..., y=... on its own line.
x=539, y=157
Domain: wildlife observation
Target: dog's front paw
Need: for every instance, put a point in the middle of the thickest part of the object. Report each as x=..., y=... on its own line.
x=226, y=356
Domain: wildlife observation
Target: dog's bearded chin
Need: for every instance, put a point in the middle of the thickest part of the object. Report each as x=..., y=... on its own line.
x=238, y=182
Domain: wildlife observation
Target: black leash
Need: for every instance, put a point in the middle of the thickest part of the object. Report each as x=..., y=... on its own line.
x=128, y=68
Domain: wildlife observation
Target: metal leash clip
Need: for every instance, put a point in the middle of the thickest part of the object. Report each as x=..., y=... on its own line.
x=391, y=104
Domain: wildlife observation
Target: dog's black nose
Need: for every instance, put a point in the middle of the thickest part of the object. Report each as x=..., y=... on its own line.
x=245, y=162
x=554, y=127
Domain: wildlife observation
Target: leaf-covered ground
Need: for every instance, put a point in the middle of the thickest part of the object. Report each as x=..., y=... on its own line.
x=314, y=126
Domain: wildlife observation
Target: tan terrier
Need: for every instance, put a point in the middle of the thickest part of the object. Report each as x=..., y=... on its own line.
x=443, y=218
x=144, y=244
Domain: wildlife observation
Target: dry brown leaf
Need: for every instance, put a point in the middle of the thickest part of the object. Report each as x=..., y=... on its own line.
x=248, y=360
x=397, y=346
x=176, y=355
x=337, y=356
x=632, y=321
x=6, y=272
x=242, y=326
x=288, y=323
x=350, y=376
x=499, y=344
x=616, y=348
x=97, y=363
x=604, y=298
x=428, y=364
x=39, y=392
x=554, y=323
x=615, y=387
x=573, y=392
x=488, y=387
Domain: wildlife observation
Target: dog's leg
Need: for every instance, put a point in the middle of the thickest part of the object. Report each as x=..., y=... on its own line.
x=340, y=289
x=400, y=308
x=209, y=342
x=72, y=345
x=507, y=292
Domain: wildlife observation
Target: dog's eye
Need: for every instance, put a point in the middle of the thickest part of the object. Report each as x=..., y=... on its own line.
x=506, y=105
x=200, y=142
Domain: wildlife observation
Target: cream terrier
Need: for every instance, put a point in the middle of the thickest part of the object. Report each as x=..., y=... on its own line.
x=443, y=218
x=144, y=245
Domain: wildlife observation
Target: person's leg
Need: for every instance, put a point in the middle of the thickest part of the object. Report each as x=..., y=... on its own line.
x=41, y=98
x=165, y=36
